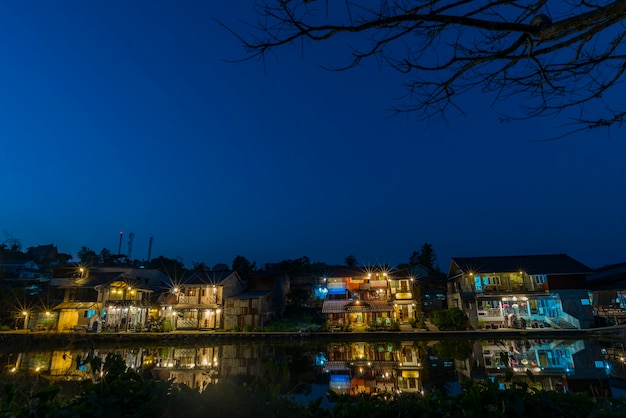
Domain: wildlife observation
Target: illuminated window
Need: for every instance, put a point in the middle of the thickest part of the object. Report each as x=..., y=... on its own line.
x=491, y=280
x=539, y=278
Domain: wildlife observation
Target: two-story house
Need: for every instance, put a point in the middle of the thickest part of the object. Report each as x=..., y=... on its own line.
x=98, y=298
x=357, y=297
x=198, y=302
x=521, y=291
x=404, y=294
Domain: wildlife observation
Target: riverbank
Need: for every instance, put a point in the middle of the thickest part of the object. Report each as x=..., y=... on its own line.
x=24, y=339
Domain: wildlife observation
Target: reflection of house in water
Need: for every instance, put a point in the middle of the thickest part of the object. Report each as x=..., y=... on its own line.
x=373, y=367
x=195, y=367
x=555, y=365
x=348, y=367
x=59, y=365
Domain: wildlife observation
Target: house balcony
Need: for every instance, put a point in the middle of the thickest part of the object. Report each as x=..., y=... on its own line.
x=506, y=289
x=468, y=291
x=492, y=313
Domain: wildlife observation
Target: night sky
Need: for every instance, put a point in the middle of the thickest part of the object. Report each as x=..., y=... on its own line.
x=129, y=116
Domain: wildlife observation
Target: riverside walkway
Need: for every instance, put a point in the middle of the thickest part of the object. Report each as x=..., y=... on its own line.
x=10, y=340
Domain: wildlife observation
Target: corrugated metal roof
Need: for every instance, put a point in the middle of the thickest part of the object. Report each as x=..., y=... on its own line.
x=335, y=306
x=336, y=365
x=380, y=306
x=75, y=305
x=341, y=306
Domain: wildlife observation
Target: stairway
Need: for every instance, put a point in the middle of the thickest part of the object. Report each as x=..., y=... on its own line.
x=560, y=323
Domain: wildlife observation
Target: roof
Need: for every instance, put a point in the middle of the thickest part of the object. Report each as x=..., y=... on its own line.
x=252, y=295
x=44, y=251
x=75, y=305
x=608, y=277
x=98, y=279
x=334, y=306
x=209, y=277
x=530, y=264
x=336, y=365
x=342, y=271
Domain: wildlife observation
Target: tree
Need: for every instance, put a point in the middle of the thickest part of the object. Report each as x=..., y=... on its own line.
x=350, y=261
x=243, y=266
x=106, y=258
x=563, y=57
x=426, y=257
x=88, y=257
x=220, y=267
x=450, y=319
x=200, y=266
x=64, y=258
x=14, y=245
x=172, y=268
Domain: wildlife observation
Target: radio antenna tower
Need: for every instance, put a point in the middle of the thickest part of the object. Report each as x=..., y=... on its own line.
x=119, y=247
x=150, y=248
x=131, y=236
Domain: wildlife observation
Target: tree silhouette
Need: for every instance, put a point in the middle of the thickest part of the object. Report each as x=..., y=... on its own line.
x=426, y=257
x=351, y=261
x=551, y=58
x=243, y=266
x=88, y=256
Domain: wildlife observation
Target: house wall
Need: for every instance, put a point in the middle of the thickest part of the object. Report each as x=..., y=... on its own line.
x=572, y=304
x=68, y=319
x=250, y=312
x=231, y=286
x=566, y=281
x=213, y=295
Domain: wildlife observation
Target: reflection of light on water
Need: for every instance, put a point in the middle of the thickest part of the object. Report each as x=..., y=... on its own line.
x=526, y=357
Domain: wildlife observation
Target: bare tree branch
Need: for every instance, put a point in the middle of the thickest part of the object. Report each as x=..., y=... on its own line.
x=447, y=48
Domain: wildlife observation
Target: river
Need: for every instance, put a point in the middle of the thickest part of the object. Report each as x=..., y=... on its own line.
x=311, y=367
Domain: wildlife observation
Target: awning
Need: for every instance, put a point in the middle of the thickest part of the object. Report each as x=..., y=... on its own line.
x=358, y=306
x=344, y=306
x=76, y=305
x=380, y=306
x=336, y=365
x=190, y=306
x=126, y=303
x=404, y=302
x=335, y=306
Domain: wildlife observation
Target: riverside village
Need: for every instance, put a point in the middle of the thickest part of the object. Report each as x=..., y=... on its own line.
x=102, y=293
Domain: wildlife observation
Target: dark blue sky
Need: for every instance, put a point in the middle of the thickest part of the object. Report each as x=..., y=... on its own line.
x=126, y=116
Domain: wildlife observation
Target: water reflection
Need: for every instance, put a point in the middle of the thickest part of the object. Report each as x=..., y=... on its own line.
x=543, y=364
x=346, y=367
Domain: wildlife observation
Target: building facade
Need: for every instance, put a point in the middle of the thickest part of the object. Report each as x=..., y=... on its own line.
x=361, y=298
x=521, y=291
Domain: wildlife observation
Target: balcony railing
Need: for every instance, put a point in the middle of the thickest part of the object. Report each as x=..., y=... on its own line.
x=490, y=313
x=497, y=289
